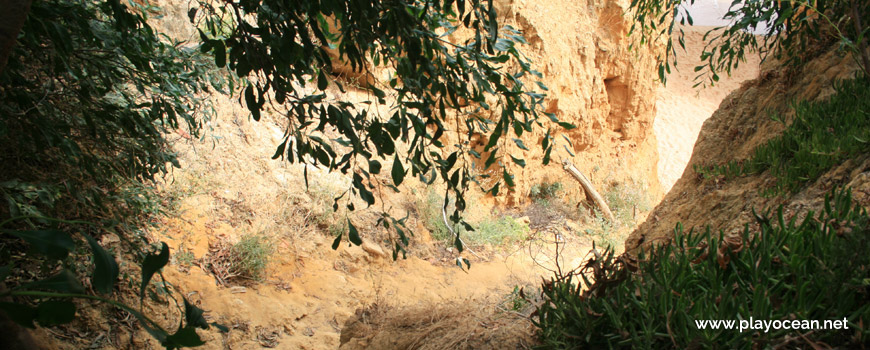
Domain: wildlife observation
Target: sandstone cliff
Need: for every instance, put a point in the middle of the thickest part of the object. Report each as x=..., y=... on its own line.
x=741, y=124
x=596, y=83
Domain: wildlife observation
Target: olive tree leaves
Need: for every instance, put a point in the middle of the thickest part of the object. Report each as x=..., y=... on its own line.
x=791, y=29
x=52, y=295
x=442, y=92
x=51, y=243
x=88, y=96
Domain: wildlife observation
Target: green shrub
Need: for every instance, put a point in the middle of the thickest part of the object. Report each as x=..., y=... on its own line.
x=626, y=199
x=184, y=258
x=822, y=135
x=816, y=270
x=602, y=232
x=250, y=257
x=503, y=230
x=430, y=211
x=516, y=300
x=543, y=192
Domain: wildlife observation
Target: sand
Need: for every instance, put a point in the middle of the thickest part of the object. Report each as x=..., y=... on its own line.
x=681, y=109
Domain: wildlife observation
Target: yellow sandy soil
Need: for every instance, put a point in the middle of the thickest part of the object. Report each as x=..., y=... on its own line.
x=682, y=109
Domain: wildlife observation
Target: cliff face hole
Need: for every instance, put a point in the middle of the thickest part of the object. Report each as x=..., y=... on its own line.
x=617, y=96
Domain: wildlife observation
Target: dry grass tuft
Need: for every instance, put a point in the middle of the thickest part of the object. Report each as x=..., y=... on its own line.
x=465, y=324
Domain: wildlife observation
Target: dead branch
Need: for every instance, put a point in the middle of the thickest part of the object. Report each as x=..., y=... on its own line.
x=587, y=187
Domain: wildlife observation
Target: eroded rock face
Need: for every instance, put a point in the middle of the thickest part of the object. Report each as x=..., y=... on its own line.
x=733, y=132
x=595, y=82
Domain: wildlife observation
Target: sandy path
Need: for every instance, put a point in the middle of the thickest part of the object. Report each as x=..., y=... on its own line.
x=681, y=110
x=309, y=293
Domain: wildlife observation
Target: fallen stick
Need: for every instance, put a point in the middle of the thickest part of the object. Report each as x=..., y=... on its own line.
x=587, y=186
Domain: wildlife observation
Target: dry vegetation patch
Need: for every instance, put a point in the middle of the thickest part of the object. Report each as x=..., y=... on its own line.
x=468, y=324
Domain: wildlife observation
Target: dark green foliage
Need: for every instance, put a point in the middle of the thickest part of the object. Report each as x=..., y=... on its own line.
x=150, y=266
x=64, y=282
x=53, y=295
x=821, y=136
x=814, y=270
x=87, y=96
x=795, y=30
x=55, y=312
x=105, y=267
x=90, y=90
x=52, y=243
x=545, y=191
x=478, y=86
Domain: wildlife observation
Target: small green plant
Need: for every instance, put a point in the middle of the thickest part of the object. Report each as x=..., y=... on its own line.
x=543, y=192
x=822, y=135
x=184, y=258
x=626, y=199
x=250, y=257
x=603, y=232
x=430, y=211
x=503, y=230
x=515, y=301
x=783, y=270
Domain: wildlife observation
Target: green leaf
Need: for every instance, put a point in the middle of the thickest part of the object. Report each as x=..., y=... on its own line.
x=191, y=14
x=546, y=159
x=280, y=151
x=251, y=102
x=374, y=167
x=184, y=337
x=193, y=316
x=352, y=233
x=508, y=178
x=336, y=242
x=64, y=282
x=105, y=270
x=322, y=83
x=4, y=272
x=220, y=53
x=55, y=312
x=520, y=144
x=20, y=313
x=152, y=264
x=54, y=244
x=398, y=171
x=220, y=327
x=566, y=125
x=520, y=162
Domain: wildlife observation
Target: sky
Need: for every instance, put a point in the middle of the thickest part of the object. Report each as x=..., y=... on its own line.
x=710, y=13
